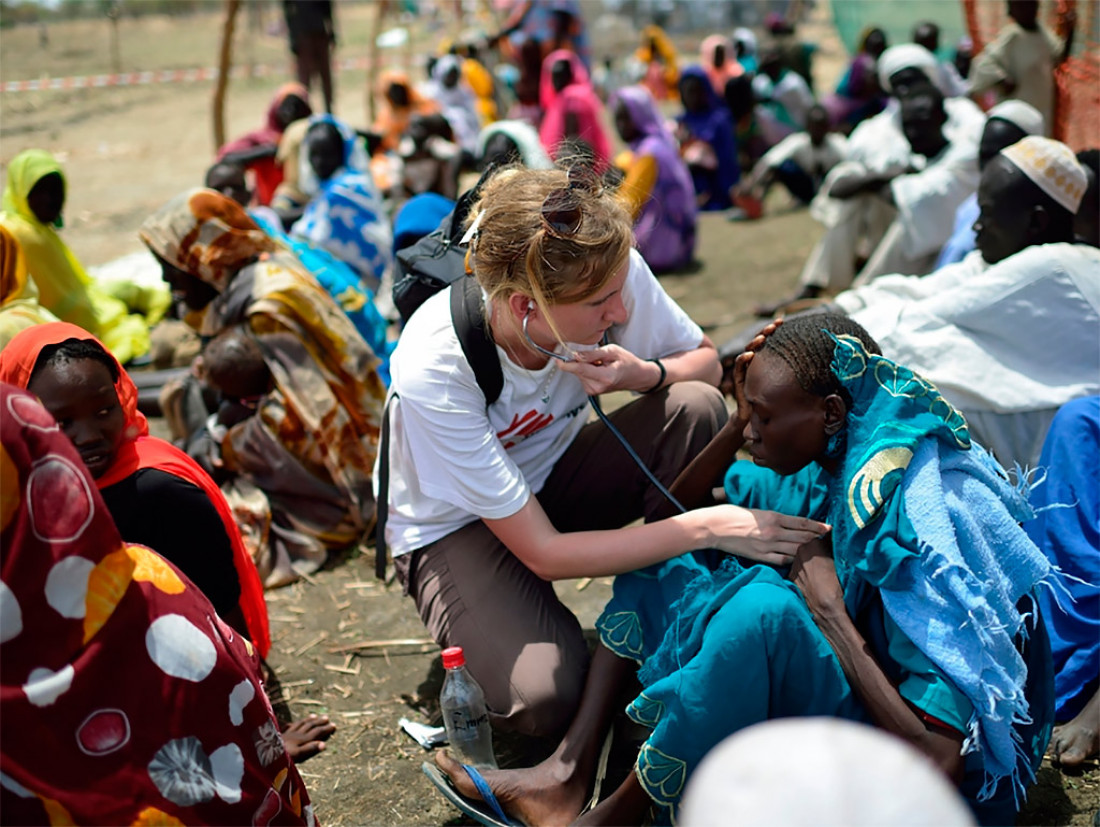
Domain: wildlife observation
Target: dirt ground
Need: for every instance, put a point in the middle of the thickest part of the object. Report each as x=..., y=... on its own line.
x=344, y=644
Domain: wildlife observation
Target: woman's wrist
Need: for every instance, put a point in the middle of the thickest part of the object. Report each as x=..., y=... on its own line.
x=662, y=376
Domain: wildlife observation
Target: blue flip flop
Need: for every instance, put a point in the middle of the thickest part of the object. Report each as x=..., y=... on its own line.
x=487, y=812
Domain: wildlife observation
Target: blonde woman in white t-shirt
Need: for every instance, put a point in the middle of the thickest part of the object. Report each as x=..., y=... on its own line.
x=488, y=505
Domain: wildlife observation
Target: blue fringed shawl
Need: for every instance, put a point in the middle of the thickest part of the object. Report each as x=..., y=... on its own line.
x=954, y=587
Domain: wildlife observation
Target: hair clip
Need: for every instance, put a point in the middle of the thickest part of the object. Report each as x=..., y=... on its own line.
x=471, y=233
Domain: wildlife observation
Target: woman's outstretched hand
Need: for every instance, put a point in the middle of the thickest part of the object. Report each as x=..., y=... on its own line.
x=764, y=536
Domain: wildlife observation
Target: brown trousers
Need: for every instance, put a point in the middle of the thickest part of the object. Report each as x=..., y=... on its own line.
x=522, y=645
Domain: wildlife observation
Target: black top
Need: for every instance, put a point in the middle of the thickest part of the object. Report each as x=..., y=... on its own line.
x=305, y=17
x=176, y=519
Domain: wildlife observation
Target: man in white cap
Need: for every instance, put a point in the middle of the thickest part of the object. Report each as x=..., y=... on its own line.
x=878, y=143
x=1009, y=334
x=1006, y=124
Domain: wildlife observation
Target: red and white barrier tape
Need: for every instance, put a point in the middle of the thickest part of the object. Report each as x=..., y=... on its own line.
x=164, y=76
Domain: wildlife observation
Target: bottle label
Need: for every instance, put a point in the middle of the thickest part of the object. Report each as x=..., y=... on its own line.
x=460, y=720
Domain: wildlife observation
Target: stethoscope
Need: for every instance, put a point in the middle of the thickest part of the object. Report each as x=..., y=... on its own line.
x=595, y=403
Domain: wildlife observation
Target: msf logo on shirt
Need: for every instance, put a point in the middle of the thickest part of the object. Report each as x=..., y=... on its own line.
x=522, y=427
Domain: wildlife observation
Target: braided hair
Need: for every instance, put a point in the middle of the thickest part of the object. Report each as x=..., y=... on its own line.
x=74, y=350
x=802, y=341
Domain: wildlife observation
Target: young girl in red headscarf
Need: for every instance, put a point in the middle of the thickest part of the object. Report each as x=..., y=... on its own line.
x=158, y=495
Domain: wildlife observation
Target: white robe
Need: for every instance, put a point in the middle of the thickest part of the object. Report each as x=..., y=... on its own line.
x=905, y=237
x=926, y=203
x=1007, y=344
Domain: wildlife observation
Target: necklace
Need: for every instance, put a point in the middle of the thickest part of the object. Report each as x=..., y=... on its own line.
x=544, y=391
x=545, y=395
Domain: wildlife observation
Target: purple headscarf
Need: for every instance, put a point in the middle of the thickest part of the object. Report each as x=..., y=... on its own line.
x=665, y=230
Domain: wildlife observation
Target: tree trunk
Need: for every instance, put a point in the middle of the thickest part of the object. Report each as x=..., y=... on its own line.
x=225, y=62
x=116, y=55
x=380, y=10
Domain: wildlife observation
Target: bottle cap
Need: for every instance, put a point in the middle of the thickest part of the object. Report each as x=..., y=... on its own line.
x=453, y=658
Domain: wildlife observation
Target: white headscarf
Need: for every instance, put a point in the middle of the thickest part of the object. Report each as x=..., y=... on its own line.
x=907, y=56
x=524, y=136
x=747, y=40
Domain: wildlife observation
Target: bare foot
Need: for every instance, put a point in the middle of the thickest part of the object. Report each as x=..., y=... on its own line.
x=1076, y=742
x=305, y=738
x=534, y=795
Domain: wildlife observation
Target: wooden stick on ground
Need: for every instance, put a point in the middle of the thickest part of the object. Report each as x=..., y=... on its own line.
x=380, y=644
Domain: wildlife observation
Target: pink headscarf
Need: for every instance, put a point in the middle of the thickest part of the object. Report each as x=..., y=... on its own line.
x=579, y=99
x=719, y=76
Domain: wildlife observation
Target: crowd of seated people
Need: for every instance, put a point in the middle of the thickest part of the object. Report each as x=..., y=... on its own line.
x=924, y=403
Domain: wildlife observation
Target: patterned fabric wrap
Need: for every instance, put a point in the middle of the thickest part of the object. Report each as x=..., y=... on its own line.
x=114, y=666
x=203, y=233
x=311, y=445
x=342, y=283
x=345, y=215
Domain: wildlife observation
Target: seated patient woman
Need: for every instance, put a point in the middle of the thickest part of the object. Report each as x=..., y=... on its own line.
x=157, y=495
x=915, y=614
x=489, y=503
x=310, y=447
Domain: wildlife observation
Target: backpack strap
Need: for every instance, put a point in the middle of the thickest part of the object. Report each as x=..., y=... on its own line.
x=468, y=319
x=382, y=504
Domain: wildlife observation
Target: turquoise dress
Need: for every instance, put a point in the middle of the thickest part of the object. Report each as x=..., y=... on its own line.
x=722, y=646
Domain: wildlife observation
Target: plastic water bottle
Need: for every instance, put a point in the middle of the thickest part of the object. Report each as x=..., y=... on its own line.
x=464, y=713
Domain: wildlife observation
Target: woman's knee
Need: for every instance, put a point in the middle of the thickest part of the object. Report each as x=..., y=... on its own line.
x=544, y=691
x=698, y=405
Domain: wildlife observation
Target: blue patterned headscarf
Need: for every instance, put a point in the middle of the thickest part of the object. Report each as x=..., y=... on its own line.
x=932, y=521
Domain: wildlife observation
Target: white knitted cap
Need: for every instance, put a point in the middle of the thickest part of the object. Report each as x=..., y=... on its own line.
x=1023, y=115
x=1052, y=166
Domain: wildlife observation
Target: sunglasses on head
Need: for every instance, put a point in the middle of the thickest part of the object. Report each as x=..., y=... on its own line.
x=561, y=210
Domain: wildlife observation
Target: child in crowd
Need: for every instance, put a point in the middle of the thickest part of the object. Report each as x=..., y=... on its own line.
x=800, y=162
x=234, y=367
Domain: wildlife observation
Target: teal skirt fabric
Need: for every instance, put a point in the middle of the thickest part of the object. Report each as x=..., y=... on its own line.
x=720, y=651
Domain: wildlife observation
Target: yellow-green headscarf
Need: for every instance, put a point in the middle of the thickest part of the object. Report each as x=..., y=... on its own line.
x=64, y=287
x=25, y=170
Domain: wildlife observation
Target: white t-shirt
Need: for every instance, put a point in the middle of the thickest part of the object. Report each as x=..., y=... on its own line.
x=811, y=159
x=451, y=460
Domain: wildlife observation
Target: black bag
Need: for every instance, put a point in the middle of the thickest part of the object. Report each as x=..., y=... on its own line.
x=424, y=268
x=428, y=266
x=436, y=260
